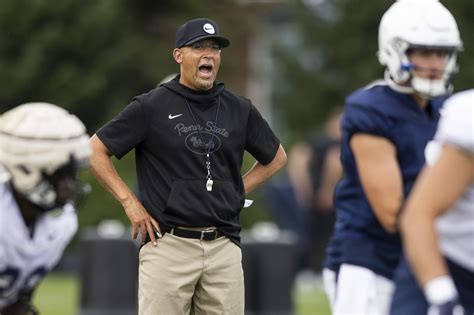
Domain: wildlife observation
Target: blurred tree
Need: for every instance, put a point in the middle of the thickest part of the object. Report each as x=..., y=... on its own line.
x=336, y=54
x=92, y=57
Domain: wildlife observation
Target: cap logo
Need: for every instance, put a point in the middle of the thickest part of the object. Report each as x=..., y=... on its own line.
x=208, y=28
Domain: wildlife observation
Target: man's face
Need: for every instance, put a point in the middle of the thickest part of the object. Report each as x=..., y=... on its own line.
x=429, y=63
x=199, y=64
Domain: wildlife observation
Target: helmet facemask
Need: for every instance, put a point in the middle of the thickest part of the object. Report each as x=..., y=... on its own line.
x=402, y=75
x=55, y=190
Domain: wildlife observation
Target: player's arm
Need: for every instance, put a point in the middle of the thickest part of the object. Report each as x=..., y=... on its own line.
x=380, y=175
x=103, y=169
x=436, y=190
x=259, y=173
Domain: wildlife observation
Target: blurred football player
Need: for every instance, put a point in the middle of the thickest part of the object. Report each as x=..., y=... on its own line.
x=438, y=222
x=41, y=148
x=386, y=127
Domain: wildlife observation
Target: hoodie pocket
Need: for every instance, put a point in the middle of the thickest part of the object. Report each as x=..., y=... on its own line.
x=190, y=204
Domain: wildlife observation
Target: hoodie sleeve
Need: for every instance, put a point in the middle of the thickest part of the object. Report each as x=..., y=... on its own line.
x=260, y=142
x=126, y=130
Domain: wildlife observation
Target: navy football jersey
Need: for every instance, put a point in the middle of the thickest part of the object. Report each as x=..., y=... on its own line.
x=359, y=239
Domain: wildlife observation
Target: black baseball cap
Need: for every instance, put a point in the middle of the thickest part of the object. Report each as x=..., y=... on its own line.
x=197, y=29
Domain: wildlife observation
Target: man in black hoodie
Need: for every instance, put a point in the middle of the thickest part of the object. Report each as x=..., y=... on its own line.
x=189, y=137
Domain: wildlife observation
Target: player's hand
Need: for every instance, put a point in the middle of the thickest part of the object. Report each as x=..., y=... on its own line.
x=452, y=307
x=142, y=221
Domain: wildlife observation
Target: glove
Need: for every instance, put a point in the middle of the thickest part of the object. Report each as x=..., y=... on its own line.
x=442, y=296
x=452, y=307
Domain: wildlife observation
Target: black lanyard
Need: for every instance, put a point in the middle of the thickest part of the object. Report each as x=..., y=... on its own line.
x=207, y=146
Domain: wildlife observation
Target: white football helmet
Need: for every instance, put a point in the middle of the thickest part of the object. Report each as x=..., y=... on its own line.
x=36, y=139
x=417, y=24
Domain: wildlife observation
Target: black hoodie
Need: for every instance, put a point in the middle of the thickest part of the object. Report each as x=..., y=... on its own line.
x=171, y=158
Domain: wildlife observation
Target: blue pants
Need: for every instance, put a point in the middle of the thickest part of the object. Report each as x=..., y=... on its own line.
x=464, y=282
x=409, y=299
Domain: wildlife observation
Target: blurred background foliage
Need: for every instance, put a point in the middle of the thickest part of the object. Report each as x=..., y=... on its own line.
x=338, y=45
x=93, y=56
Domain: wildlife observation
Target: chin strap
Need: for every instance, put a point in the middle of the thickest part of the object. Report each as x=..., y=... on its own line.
x=430, y=88
x=43, y=195
x=424, y=88
x=395, y=86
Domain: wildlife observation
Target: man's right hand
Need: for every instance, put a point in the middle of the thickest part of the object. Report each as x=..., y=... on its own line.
x=141, y=221
x=105, y=172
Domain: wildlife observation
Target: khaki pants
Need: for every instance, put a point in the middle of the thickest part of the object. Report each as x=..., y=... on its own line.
x=189, y=276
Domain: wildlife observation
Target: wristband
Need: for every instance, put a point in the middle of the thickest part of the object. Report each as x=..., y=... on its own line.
x=440, y=290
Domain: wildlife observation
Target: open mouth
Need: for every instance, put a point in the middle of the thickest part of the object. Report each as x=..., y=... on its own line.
x=205, y=70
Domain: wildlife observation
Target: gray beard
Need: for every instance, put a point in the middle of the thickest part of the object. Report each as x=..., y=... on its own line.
x=204, y=85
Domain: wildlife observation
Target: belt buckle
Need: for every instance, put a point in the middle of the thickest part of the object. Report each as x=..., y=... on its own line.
x=208, y=231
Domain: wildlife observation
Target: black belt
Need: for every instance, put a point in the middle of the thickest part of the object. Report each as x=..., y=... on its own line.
x=204, y=235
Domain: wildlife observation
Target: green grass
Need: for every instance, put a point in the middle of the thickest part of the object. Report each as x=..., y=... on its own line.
x=311, y=302
x=58, y=294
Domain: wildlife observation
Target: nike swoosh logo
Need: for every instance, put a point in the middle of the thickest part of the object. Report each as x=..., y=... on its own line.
x=207, y=28
x=174, y=116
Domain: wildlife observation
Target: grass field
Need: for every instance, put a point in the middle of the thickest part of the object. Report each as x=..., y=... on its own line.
x=58, y=294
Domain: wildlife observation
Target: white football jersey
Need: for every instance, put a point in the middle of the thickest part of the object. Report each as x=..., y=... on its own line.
x=24, y=261
x=456, y=226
